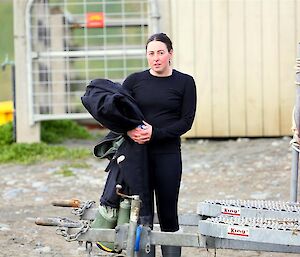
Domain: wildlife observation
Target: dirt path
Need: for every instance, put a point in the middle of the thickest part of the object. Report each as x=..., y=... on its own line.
x=232, y=169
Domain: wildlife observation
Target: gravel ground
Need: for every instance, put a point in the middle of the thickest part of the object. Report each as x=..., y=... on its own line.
x=213, y=169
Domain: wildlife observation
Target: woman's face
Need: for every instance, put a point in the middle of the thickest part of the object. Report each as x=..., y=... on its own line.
x=158, y=57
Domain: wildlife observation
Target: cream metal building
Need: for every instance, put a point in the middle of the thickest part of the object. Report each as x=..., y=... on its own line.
x=241, y=53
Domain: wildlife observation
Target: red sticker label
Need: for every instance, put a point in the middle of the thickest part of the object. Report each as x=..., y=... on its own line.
x=95, y=20
x=238, y=231
x=232, y=211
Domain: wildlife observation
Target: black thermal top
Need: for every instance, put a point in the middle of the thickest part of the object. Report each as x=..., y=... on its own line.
x=168, y=104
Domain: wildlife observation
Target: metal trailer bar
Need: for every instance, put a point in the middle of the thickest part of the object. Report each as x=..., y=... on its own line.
x=249, y=208
x=237, y=208
x=93, y=235
x=223, y=232
x=184, y=219
x=285, y=232
x=153, y=237
x=199, y=240
x=208, y=237
x=223, y=243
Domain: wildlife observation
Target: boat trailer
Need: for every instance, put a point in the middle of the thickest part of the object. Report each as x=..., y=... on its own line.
x=253, y=225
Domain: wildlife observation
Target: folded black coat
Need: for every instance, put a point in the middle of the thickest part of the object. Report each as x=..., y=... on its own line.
x=115, y=109
x=112, y=106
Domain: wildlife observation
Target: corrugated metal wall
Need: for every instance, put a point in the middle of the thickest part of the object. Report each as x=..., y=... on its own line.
x=242, y=55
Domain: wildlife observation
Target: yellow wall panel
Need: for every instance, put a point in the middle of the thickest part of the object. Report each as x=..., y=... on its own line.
x=220, y=102
x=236, y=68
x=253, y=68
x=186, y=40
x=287, y=50
x=203, y=67
x=241, y=54
x=270, y=67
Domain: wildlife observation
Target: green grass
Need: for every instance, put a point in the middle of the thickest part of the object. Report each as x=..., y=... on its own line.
x=52, y=132
x=56, y=131
x=76, y=165
x=69, y=170
x=6, y=47
x=39, y=152
x=65, y=172
x=6, y=135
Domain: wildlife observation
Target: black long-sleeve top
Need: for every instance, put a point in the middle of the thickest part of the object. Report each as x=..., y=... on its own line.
x=168, y=104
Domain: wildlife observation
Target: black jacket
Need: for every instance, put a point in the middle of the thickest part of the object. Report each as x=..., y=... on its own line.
x=115, y=109
x=112, y=106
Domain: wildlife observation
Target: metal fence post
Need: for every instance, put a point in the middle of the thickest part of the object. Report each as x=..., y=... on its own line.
x=294, y=176
x=26, y=131
x=296, y=114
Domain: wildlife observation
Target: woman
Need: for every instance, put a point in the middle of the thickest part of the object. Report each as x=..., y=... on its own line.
x=167, y=99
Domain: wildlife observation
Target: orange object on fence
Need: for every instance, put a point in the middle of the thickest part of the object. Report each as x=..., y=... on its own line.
x=95, y=20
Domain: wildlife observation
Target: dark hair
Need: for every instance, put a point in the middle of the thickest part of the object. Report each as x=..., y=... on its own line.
x=162, y=37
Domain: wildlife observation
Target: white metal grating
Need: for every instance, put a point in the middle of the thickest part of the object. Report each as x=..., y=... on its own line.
x=66, y=53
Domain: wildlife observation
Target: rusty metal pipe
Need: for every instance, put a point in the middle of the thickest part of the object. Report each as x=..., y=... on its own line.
x=74, y=203
x=57, y=222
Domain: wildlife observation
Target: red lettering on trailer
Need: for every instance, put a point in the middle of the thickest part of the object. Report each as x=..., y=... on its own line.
x=238, y=231
x=233, y=211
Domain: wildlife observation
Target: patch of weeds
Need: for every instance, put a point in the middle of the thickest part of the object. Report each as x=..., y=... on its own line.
x=65, y=172
x=52, y=132
x=6, y=134
x=77, y=165
x=37, y=152
x=56, y=131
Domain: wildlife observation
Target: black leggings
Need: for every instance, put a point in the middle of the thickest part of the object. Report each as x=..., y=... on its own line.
x=165, y=176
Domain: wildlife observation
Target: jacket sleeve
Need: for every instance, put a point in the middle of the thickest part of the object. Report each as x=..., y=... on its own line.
x=185, y=122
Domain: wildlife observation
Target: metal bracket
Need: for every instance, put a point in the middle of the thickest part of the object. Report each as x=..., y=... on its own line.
x=121, y=237
x=89, y=248
x=145, y=241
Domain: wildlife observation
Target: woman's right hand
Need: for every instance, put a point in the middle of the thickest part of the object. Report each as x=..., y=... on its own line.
x=140, y=135
x=133, y=134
